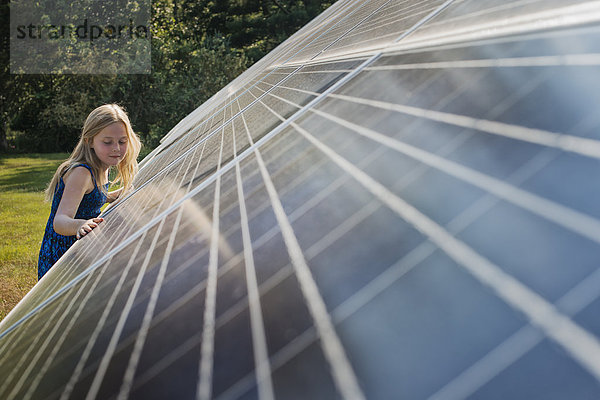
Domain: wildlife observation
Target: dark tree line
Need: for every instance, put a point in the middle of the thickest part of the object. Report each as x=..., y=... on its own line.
x=198, y=46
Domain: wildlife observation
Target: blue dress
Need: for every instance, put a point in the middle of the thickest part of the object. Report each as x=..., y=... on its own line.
x=55, y=245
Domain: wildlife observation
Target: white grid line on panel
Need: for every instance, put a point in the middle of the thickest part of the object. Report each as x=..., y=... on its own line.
x=163, y=363
x=112, y=345
x=259, y=340
x=568, y=218
x=343, y=374
x=58, y=343
x=165, y=313
x=348, y=31
x=327, y=71
x=392, y=273
x=68, y=388
x=486, y=12
x=376, y=50
x=384, y=47
x=8, y=346
x=442, y=42
x=298, y=90
x=148, y=314
x=561, y=32
x=579, y=343
x=347, y=23
x=574, y=144
x=488, y=367
x=289, y=185
x=375, y=26
x=48, y=331
x=575, y=221
x=6, y=385
x=517, y=345
x=172, y=186
x=204, y=388
x=315, y=30
x=288, y=48
x=193, y=176
x=392, y=14
x=571, y=60
x=57, y=275
x=559, y=17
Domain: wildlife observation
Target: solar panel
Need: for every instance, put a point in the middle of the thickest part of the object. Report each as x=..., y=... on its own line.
x=400, y=201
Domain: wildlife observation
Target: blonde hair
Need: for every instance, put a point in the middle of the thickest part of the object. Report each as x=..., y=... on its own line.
x=99, y=119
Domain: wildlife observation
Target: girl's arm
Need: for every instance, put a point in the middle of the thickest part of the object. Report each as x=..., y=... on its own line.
x=78, y=181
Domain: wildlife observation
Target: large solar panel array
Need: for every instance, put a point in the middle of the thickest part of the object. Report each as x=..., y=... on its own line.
x=400, y=201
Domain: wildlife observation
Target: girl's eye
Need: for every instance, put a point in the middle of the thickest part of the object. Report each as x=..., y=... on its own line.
x=107, y=143
x=123, y=142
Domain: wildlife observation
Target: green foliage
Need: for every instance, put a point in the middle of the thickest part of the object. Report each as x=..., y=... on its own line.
x=188, y=75
x=197, y=47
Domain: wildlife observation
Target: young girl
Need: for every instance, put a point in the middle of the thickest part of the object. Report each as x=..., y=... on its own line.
x=80, y=185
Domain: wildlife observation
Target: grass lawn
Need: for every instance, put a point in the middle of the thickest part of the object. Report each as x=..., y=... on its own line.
x=23, y=216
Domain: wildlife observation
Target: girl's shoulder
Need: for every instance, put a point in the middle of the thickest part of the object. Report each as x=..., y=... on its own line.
x=81, y=177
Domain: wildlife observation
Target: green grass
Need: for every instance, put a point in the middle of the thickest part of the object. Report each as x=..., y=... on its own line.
x=23, y=216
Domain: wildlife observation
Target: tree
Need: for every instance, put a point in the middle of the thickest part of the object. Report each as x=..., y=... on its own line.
x=197, y=48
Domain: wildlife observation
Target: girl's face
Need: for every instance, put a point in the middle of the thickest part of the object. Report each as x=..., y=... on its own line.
x=110, y=144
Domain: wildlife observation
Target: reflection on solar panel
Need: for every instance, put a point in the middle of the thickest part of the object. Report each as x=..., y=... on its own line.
x=400, y=201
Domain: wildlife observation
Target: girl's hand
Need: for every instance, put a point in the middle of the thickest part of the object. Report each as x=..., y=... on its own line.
x=87, y=226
